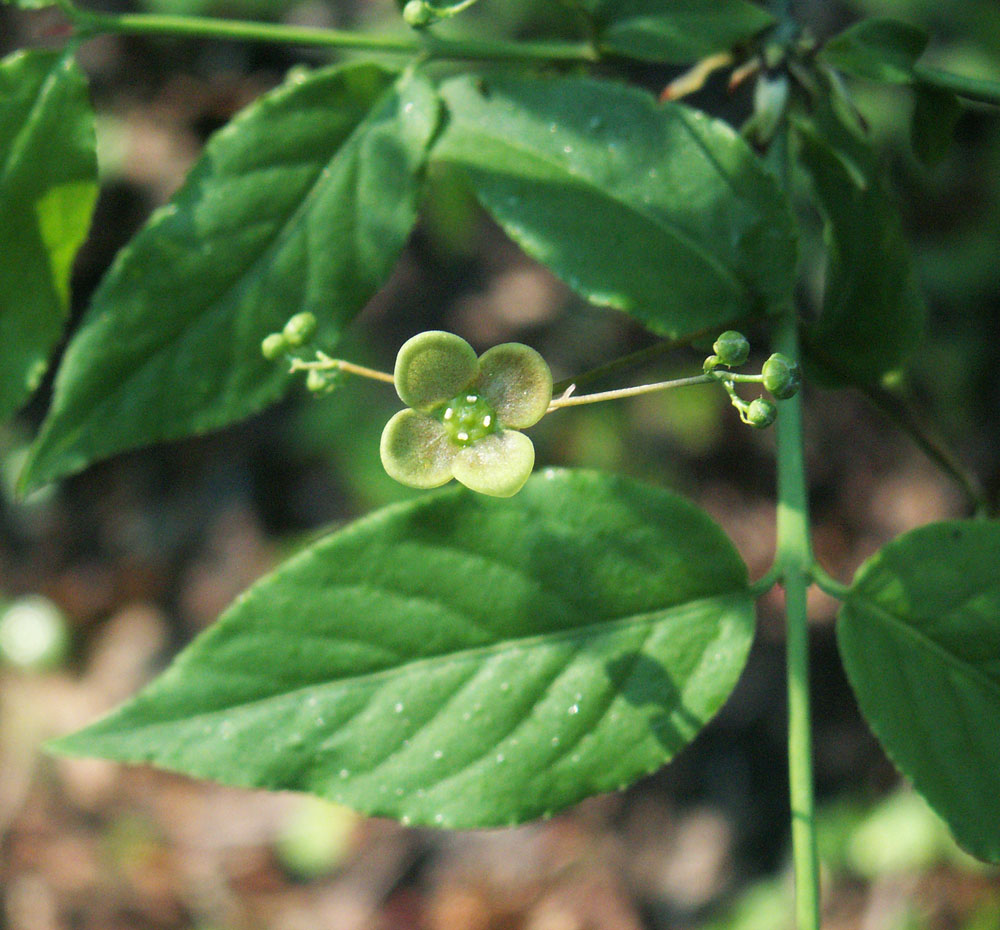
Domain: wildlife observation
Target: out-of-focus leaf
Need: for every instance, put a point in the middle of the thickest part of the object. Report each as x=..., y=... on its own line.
x=919, y=634
x=48, y=186
x=873, y=313
x=877, y=49
x=935, y=113
x=656, y=210
x=676, y=31
x=302, y=203
x=461, y=661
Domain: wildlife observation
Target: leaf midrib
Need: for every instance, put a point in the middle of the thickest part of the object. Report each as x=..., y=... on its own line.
x=592, y=630
x=23, y=135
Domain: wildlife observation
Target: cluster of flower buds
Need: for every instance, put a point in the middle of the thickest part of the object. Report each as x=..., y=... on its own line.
x=780, y=377
x=295, y=334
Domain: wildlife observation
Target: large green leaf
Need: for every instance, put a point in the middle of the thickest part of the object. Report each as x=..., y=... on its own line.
x=877, y=49
x=656, y=210
x=48, y=186
x=675, y=31
x=302, y=203
x=461, y=661
x=873, y=312
x=919, y=634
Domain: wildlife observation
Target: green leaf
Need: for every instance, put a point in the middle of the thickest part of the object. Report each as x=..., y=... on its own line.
x=48, y=186
x=676, y=31
x=873, y=312
x=29, y=4
x=461, y=661
x=656, y=210
x=877, y=49
x=919, y=635
x=302, y=203
x=935, y=113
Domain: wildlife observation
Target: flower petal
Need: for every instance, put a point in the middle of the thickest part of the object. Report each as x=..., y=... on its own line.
x=432, y=368
x=516, y=382
x=415, y=450
x=497, y=465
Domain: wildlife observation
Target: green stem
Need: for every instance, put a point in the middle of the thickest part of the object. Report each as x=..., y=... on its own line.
x=725, y=378
x=618, y=393
x=424, y=42
x=968, y=87
x=631, y=360
x=768, y=580
x=794, y=556
x=826, y=582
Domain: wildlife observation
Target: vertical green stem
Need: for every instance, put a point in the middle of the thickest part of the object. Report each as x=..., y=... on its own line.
x=795, y=560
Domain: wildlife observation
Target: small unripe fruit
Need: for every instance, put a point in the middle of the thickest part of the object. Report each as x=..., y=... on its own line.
x=732, y=348
x=781, y=376
x=761, y=413
x=417, y=14
x=273, y=346
x=299, y=329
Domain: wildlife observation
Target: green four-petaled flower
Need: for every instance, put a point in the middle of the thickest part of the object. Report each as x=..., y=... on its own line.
x=465, y=414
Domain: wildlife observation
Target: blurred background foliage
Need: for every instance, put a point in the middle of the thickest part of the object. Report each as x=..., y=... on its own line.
x=105, y=577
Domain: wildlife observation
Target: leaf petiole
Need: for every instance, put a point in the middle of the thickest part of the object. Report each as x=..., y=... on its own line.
x=827, y=583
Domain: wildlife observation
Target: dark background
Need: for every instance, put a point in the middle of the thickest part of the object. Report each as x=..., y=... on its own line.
x=138, y=554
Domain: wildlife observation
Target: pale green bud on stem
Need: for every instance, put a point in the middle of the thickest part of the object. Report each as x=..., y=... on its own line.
x=781, y=376
x=731, y=349
x=760, y=413
x=273, y=346
x=299, y=329
x=417, y=14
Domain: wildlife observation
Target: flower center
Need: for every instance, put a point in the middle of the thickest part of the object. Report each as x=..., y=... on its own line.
x=468, y=418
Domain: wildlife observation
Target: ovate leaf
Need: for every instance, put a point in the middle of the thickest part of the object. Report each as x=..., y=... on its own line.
x=654, y=209
x=676, y=31
x=461, y=661
x=302, y=203
x=919, y=634
x=48, y=186
x=877, y=49
x=873, y=313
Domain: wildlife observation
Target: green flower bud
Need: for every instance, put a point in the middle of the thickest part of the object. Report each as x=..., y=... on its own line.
x=781, y=376
x=274, y=346
x=315, y=381
x=299, y=329
x=711, y=363
x=732, y=348
x=417, y=14
x=761, y=413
